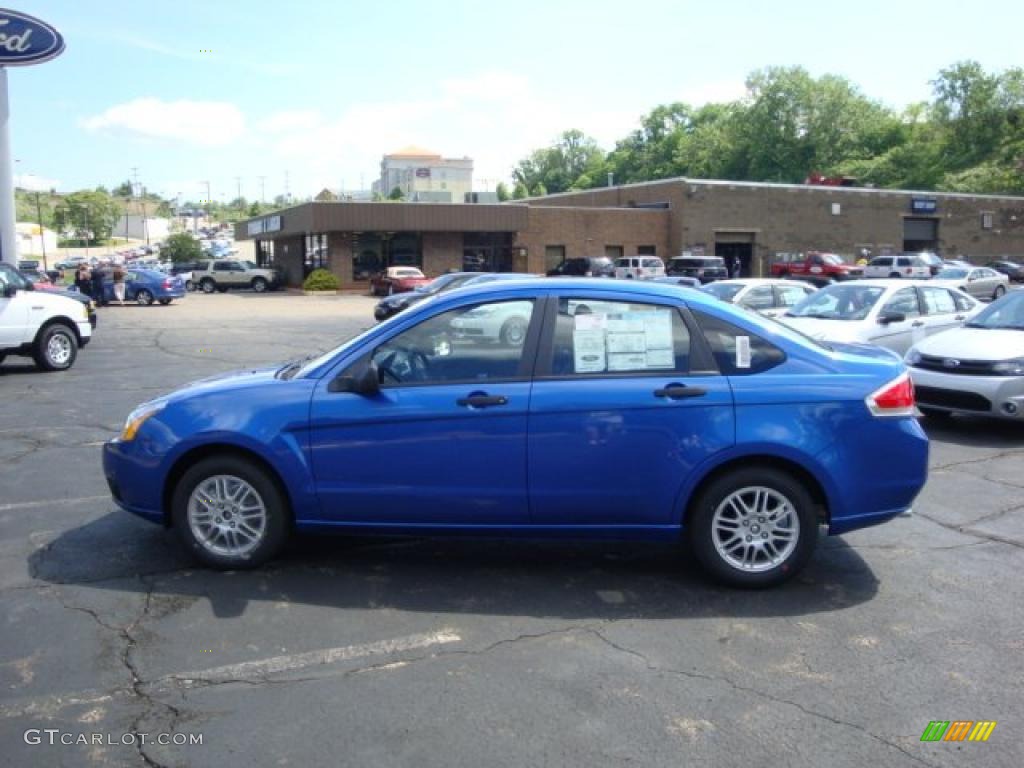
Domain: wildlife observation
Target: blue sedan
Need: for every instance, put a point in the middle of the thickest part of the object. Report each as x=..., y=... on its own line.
x=145, y=286
x=623, y=410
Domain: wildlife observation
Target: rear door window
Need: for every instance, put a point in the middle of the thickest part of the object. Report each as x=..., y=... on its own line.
x=938, y=301
x=905, y=302
x=737, y=351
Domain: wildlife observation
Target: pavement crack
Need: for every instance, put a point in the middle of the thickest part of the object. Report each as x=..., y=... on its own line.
x=651, y=667
x=967, y=530
x=982, y=460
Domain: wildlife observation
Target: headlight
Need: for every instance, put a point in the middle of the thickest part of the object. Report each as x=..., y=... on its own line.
x=913, y=357
x=137, y=418
x=1009, y=367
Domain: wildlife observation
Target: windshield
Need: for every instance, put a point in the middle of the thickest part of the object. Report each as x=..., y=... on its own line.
x=250, y=265
x=951, y=273
x=831, y=258
x=1006, y=313
x=839, y=302
x=723, y=291
x=407, y=273
x=443, y=283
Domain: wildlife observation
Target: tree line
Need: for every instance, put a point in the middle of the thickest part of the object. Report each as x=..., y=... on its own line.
x=969, y=137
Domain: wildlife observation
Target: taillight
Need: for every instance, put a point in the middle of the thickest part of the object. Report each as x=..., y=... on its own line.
x=167, y=283
x=894, y=399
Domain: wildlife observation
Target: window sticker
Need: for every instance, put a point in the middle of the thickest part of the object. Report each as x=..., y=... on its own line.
x=742, y=351
x=622, y=340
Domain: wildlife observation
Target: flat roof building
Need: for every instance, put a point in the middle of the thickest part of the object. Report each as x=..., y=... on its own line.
x=750, y=221
x=424, y=176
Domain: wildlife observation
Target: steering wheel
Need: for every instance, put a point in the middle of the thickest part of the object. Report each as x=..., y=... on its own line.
x=404, y=365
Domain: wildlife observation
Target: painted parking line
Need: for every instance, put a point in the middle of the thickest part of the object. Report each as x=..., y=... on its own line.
x=247, y=671
x=53, y=502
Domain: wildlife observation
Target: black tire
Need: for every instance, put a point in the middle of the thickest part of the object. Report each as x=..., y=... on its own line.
x=513, y=332
x=259, y=284
x=895, y=275
x=278, y=518
x=55, y=348
x=207, y=285
x=701, y=519
x=934, y=413
x=189, y=285
x=999, y=291
x=144, y=298
x=165, y=302
x=391, y=289
x=222, y=289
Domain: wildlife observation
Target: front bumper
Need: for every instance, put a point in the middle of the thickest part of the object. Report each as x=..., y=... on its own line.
x=134, y=481
x=1000, y=397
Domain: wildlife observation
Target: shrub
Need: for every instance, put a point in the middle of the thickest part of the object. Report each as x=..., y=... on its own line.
x=320, y=280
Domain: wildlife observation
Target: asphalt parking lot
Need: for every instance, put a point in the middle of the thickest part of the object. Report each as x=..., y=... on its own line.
x=416, y=652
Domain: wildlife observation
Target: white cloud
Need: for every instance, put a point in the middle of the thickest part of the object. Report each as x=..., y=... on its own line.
x=204, y=123
x=35, y=183
x=495, y=117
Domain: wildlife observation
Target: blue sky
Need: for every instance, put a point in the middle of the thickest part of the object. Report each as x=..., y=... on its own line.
x=320, y=90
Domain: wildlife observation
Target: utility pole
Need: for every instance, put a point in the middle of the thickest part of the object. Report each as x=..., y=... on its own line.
x=42, y=230
x=145, y=223
x=263, y=189
x=238, y=182
x=209, y=202
x=287, y=192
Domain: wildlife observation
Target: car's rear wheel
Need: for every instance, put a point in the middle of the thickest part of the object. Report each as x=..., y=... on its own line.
x=207, y=285
x=55, y=348
x=189, y=285
x=513, y=332
x=999, y=291
x=165, y=302
x=259, y=284
x=144, y=298
x=229, y=513
x=755, y=527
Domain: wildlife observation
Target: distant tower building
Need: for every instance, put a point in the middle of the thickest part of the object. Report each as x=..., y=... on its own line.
x=425, y=176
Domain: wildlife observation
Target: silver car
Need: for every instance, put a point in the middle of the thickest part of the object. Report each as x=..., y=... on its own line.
x=979, y=282
x=894, y=314
x=977, y=369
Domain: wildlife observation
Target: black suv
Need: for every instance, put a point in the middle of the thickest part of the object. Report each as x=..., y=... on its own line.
x=705, y=268
x=584, y=266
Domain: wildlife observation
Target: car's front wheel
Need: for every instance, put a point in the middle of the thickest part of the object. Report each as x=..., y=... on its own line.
x=259, y=284
x=513, y=332
x=144, y=298
x=229, y=513
x=207, y=285
x=999, y=291
x=754, y=527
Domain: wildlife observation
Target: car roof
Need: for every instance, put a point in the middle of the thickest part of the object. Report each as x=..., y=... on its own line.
x=638, y=288
x=760, y=281
x=890, y=282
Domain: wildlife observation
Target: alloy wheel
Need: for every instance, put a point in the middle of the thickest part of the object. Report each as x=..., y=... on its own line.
x=227, y=516
x=754, y=529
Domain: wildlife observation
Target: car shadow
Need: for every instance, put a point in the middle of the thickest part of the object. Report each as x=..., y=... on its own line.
x=543, y=579
x=975, y=431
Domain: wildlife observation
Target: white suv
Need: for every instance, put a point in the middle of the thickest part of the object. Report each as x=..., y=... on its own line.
x=38, y=324
x=639, y=267
x=898, y=266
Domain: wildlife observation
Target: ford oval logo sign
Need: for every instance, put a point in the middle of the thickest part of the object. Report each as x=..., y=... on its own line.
x=27, y=40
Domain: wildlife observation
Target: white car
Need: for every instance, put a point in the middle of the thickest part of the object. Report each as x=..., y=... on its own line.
x=894, y=314
x=504, y=322
x=765, y=295
x=912, y=266
x=977, y=369
x=979, y=282
x=640, y=267
x=41, y=325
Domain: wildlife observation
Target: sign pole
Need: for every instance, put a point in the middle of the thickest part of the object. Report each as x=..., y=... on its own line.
x=8, y=239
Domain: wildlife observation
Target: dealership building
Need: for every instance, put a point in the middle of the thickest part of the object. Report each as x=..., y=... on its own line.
x=750, y=221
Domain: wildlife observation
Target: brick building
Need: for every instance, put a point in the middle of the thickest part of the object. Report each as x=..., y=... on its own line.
x=752, y=221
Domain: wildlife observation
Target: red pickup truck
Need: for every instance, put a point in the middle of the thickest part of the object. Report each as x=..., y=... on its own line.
x=818, y=268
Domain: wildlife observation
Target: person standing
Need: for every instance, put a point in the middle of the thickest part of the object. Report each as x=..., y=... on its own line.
x=98, y=273
x=83, y=280
x=737, y=267
x=118, y=275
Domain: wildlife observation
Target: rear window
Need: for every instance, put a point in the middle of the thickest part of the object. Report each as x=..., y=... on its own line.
x=737, y=351
x=882, y=261
x=651, y=263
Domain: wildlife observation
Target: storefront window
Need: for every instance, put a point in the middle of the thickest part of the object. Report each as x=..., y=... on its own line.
x=265, y=253
x=487, y=252
x=316, y=256
x=367, y=255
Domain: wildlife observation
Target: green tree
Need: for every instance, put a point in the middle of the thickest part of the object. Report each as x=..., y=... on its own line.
x=558, y=167
x=519, y=191
x=182, y=247
x=91, y=213
x=396, y=194
x=124, y=189
x=254, y=209
x=502, y=192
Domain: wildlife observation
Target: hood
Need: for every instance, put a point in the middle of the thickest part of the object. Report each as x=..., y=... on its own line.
x=849, y=331
x=58, y=301
x=224, y=382
x=974, y=344
x=946, y=282
x=402, y=299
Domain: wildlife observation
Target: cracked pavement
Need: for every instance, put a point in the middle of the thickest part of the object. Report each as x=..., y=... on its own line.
x=400, y=652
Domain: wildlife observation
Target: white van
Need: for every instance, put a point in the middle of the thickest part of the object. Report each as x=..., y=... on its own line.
x=639, y=267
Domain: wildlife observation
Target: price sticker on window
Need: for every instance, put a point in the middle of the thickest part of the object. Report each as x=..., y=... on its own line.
x=742, y=351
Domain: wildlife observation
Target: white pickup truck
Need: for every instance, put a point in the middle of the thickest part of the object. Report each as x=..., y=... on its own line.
x=38, y=324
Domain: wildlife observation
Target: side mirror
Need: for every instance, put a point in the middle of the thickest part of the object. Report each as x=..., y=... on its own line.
x=891, y=317
x=10, y=290
x=365, y=382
